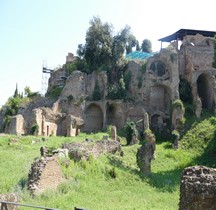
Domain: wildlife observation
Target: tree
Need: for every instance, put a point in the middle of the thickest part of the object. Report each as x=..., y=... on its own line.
x=99, y=41
x=146, y=46
x=27, y=91
x=16, y=94
x=137, y=46
x=131, y=42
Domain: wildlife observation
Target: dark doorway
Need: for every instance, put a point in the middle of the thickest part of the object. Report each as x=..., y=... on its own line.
x=93, y=118
x=205, y=91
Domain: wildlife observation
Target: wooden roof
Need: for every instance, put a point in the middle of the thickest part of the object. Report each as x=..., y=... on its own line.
x=178, y=35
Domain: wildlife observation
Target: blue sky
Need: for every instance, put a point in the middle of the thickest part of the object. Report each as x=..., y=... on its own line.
x=33, y=31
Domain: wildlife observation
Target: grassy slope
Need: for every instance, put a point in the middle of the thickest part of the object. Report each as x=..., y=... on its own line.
x=90, y=185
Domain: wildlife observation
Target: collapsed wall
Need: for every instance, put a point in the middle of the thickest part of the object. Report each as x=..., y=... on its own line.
x=45, y=174
x=198, y=188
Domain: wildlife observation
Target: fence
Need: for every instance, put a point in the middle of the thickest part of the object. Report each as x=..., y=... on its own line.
x=4, y=206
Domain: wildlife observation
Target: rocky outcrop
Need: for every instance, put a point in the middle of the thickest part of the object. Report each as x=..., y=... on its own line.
x=198, y=188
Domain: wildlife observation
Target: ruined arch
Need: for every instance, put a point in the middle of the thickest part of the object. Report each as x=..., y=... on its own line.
x=93, y=118
x=205, y=92
x=160, y=97
x=158, y=67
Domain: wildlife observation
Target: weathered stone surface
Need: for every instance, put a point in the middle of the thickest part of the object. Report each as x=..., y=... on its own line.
x=83, y=150
x=10, y=197
x=144, y=157
x=45, y=174
x=16, y=125
x=177, y=117
x=152, y=89
x=146, y=153
x=114, y=135
x=198, y=188
x=73, y=125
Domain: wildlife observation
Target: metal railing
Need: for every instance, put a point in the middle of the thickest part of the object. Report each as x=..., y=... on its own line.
x=4, y=206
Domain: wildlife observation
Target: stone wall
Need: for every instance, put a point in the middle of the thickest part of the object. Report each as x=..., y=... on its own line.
x=16, y=125
x=45, y=174
x=198, y=188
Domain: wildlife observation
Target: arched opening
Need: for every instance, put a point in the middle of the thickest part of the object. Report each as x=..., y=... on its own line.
x=158, y=67
x=205, y=91
x=93, y=118
x=111, y=115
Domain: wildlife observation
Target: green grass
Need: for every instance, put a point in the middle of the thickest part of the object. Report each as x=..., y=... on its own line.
x=109, y=182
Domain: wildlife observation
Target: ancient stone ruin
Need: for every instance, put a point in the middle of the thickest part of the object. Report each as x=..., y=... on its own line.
x=198, y=188
x=153, y=90
x=83, y=150
x=45, y=174
x=146, y=153
x=10, y=197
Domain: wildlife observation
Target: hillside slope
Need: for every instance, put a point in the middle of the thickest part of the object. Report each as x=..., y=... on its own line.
x=111, y=181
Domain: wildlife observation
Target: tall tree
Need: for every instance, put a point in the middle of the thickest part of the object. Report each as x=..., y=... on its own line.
x=146, y=46
x=99, y=42
x=137, y=46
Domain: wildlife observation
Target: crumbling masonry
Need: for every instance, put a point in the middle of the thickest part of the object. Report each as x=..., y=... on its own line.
x=153, y=91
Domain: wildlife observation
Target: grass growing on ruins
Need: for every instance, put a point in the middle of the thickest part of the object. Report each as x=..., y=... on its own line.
x=111, y=181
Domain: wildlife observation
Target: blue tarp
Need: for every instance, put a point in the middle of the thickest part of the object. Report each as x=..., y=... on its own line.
x=138, y=55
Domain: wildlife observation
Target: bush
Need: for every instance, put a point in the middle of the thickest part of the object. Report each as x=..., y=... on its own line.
x=96, y=96
x=130, y=130
x=54, y=92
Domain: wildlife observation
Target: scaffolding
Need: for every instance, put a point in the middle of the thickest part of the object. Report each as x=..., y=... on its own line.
x=46, y=72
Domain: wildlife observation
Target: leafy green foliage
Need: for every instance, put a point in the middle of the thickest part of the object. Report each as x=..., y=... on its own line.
x=185, y=91
x=178, y=104
x=143, y=67
x=200, y=135
x=127, y=79
x=111, y=172
x=130, y=131
x=103, y=51
x=98, y=47
x=54, y=92
x=146, y=46
x=96, y=96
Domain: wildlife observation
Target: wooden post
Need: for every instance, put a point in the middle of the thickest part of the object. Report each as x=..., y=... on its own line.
x=4, y=206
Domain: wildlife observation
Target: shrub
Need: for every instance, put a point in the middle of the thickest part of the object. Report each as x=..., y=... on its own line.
x=178, y=104
x=96, y=96
x=144, y=67
x=130, y=131
x=54, y=92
